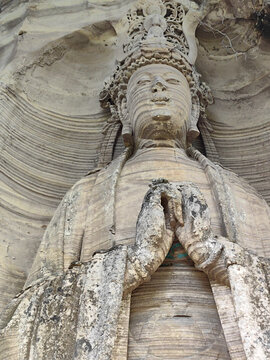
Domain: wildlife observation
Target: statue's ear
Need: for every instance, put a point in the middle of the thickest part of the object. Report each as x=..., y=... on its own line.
x=193, y=131
x=126, y=129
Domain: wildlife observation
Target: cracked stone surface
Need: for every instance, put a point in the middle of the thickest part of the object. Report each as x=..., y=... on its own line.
x=54, y=57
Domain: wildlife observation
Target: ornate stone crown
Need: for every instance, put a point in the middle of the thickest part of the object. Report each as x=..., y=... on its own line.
x=160, y=32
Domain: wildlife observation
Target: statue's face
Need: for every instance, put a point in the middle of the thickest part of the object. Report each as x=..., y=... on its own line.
x=158, y=103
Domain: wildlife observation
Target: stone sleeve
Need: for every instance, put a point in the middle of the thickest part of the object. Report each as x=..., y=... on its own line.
x=62, y=241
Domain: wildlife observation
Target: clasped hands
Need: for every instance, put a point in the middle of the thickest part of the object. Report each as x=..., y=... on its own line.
x=171, y=210
x=186, y=217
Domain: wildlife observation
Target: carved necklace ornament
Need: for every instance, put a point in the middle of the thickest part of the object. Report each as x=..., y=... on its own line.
x=157, y=35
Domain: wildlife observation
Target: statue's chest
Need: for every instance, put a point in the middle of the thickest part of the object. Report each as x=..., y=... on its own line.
x=134, y=182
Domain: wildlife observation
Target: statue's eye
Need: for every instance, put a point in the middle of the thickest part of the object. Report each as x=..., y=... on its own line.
x=143, y=81
x=173, y=81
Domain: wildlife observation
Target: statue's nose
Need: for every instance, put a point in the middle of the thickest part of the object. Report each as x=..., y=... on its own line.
x=158, y=84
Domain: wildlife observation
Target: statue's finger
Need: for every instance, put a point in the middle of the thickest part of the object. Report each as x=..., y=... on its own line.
x=153, y=196
x=171, y=213
x=178, y=211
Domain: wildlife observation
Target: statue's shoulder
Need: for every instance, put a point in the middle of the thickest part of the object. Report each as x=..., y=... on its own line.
x=247, y=212
x=239, y=182
x=86, y=183
x=222, y=174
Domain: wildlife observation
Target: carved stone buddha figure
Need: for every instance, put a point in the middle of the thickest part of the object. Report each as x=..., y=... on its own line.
x=128, y=272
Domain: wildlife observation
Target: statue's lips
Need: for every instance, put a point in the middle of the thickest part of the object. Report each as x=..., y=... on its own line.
x=160, y=100
x=161, y=114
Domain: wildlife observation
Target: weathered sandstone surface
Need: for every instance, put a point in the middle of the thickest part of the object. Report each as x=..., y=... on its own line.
x=54, y=56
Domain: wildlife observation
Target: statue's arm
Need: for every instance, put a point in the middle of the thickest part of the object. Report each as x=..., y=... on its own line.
x=49, y=257
x=154, y=234
x=212, y=254
x=61, y=243
x=228, y=263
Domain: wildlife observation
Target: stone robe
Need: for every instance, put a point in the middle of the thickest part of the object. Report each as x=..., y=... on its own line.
x=99, y=213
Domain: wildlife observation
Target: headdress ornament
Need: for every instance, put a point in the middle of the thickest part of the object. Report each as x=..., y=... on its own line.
x=159, y=33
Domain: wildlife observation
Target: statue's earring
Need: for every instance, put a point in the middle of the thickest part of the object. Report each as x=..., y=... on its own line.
x=126, y=129
x=127, y=134
x=193, y=131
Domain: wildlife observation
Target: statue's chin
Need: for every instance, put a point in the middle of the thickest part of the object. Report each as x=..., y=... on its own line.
x=161, y=114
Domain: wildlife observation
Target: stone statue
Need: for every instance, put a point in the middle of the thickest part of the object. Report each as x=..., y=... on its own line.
x=107, y=237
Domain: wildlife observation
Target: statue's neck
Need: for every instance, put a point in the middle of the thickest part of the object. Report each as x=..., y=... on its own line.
x=165, y=154
x=149, y=143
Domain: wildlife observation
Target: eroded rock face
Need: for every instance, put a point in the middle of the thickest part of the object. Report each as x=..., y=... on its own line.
x=54, y=58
